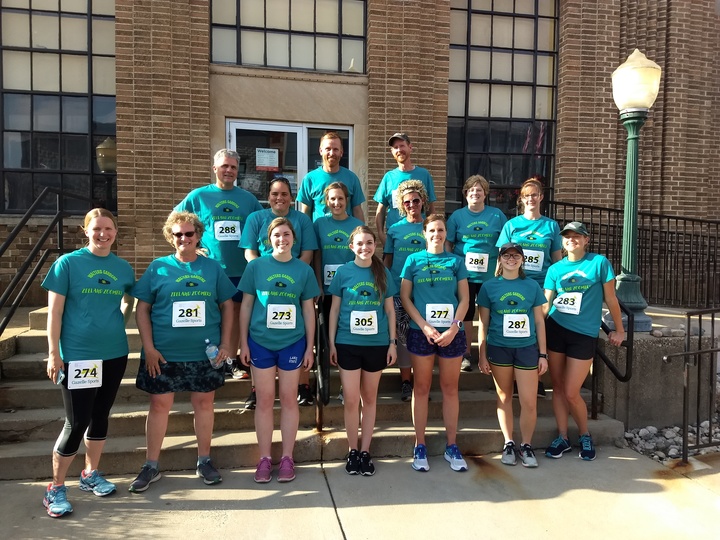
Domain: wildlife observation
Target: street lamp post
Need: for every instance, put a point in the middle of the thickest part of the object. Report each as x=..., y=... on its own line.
x=636, y=84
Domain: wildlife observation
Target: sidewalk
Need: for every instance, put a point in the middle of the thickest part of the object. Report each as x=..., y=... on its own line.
x=621, y=494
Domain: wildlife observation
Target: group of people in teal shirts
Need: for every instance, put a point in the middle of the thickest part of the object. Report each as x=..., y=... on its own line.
x=201, y=305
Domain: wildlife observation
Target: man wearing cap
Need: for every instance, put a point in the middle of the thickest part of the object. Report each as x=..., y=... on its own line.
x=223, y=208
x=386, y=194
x=311, y=194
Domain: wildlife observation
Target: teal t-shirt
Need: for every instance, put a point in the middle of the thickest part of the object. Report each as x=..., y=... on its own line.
x=185, y=299
x=435, y=286
x=539, y=238
x=254, y=235
x=511, y=303
x=474, y=236
x=279, y=289
x=223, y=212
x=333, y=236
x=403, y=239
x=93, y=327
x=362, y=319
x=386, y=193
x=312, y=190
x=578, y=290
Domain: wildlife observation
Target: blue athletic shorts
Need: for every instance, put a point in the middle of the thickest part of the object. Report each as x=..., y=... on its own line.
x=520, y=358
x=418, y=345
x=288, y=359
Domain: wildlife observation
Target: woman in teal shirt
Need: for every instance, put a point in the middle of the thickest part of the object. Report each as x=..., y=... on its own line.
x=277, y=329
x=362, y=338
x=88, y=296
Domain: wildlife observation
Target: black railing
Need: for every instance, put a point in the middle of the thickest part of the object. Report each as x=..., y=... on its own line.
x=703, y=359
x=599, y=354
x=677, y=257
x=56, y=224
x=322, y=366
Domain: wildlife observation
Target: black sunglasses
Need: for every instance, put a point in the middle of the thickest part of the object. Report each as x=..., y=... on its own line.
x=188, y=234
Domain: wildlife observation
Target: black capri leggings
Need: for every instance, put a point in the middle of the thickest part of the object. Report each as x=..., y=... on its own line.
x=89, y=408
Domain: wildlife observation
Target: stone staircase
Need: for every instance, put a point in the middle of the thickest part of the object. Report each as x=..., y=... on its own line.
x=31, y=416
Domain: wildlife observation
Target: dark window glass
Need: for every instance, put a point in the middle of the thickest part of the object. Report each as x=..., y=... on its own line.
x=17, y=112
x=46, y=151
x=16, y=150
x=104, y=115
x=17, y=191
x=74, y=153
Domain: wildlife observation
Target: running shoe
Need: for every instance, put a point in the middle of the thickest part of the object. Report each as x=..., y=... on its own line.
x=454, y=458
x=96, y=483
x=420, y=461
x=147, y=476
x=286, y=471
x=587, y=451
x=341, y=397
x=208, y=473
x=558, y=447
x=305, y=396
x=406, y=391
x=466, y=364
x=263, y=472
x=367, y=468
x=251, y=400
x=509, y=454
x=527, y=456
x=238, y=373
x=353, y=462
x=56, y=502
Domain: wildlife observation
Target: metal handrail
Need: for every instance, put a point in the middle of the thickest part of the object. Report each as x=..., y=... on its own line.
x=322, y=366
x=55, y=224
x=691, y=358
x=628, y=344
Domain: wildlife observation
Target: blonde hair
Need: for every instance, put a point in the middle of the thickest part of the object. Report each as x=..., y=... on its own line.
x=96, y=213
x=410, y=186
x=179, y=218
x=533, y=182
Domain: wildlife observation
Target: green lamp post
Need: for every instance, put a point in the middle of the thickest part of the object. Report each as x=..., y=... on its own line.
x=635, y=84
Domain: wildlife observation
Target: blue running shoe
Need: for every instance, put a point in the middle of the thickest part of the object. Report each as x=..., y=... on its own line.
x=96, y=483
x=454, y=458
x=587, y=451
x=56, y=502
x=420, y=462
x=147, y=476
x=558, y=447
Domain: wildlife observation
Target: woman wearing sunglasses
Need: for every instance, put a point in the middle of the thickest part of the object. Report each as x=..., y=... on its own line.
x=183, y=299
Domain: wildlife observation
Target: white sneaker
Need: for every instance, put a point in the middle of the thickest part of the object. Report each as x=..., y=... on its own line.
x=454, y=457
x=420, y=462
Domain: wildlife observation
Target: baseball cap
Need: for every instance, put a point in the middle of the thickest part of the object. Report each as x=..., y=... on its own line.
x=511, y=245
x=576, y=227
x=402, y=136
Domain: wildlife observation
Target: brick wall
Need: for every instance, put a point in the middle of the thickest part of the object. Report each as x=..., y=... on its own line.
x=163, y=131
x=408, y=68
x=678, y=158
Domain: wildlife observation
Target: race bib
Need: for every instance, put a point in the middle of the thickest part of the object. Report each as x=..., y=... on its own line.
x=84, y=374
x=533, y=260
x=516, y=325
x=363, y=322
x=329, y=272
x=476, y=262
x=568, y=303
x=188, y=313
x=439, y=314
x=227, y=230
x=393, y=198
x=281, y=316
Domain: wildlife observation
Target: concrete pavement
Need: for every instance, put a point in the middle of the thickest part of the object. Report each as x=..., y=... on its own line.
x=621, y=494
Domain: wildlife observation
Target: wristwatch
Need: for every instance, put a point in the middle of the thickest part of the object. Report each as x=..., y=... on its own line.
x=393, y=341
x=458, y=323
x=542, y=355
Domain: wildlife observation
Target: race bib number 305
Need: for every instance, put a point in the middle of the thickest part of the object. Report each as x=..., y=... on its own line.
x=281, y=316
x=568, y=303
x=227, y=230
x=363, y=322
x=84, y=374
x=439, y=314
x=188, y=314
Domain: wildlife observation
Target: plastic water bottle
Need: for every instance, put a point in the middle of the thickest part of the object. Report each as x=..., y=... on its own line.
x=211, y=351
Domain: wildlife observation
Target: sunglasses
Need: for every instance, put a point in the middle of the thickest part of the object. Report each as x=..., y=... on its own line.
x=413, y=202
x=188, y=234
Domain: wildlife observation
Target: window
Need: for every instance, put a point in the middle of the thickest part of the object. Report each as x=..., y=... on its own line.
x=57, y=101
x=314, y=35
x=501, y=96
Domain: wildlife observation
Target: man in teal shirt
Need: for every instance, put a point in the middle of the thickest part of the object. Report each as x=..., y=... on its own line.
x=223, y=208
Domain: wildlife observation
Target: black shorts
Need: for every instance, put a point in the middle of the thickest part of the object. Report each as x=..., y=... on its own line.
x=474, y=289
x=370, y=358
x=180, y=377
x=561, y=340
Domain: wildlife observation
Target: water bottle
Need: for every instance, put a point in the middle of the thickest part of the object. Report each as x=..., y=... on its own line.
x=211, y=351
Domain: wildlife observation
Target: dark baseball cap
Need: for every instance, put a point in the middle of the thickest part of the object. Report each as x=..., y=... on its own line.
x=511, y=245
x=402, y=136
x=576, y=227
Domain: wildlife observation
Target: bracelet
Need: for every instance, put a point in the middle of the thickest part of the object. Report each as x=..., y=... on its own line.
x=543, y=355
x=393, y=341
